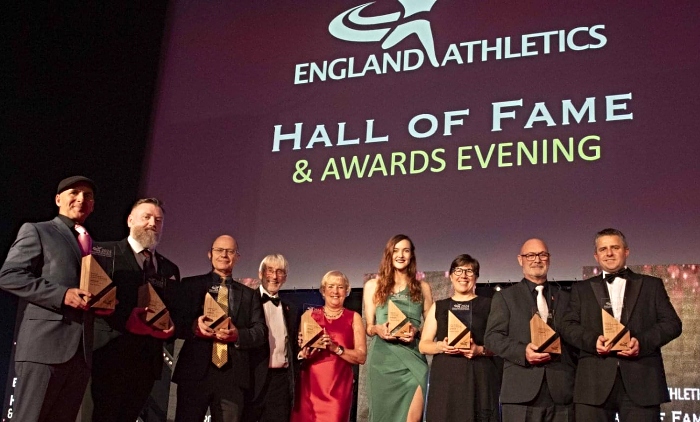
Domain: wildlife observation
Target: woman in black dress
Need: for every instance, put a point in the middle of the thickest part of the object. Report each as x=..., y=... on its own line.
x=464, y=383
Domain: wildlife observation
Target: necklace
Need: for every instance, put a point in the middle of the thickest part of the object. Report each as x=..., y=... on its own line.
x=333, y=316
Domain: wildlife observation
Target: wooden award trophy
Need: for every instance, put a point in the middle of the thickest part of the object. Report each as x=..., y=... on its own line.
x=458, y=334
x=157, y=315
x=216, y=317
x=615, y=333
x=95, y=280
x=311, y=332
x=543, y=336
x=399, y=325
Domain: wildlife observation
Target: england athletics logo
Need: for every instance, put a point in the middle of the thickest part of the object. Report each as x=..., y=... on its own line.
x=396, y=33
x=360, y=25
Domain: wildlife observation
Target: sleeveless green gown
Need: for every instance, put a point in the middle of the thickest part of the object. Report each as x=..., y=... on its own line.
x=395, y=369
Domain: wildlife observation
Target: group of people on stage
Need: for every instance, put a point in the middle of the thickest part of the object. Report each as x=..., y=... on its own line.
x=252, y=364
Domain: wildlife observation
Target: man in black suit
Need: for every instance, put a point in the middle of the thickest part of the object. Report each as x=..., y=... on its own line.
x=128, y=352
x=204, y=380
x=271, y=396
x=631, y=382
x=54, y=342
x=536, y=386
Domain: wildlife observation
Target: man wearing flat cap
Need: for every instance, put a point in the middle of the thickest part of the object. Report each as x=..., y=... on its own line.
x=54, y=342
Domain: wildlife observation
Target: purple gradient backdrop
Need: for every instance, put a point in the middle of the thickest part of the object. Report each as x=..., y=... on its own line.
x=227, y=79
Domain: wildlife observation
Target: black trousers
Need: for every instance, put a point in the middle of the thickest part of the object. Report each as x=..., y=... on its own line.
x=274, y=403
x=216, y=392
x=541, y=409
x=618, y=402
x=120, y=386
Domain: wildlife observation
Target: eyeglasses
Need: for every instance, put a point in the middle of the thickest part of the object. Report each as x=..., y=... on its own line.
x=279, y=273
x=222, y=251
x=467, y=271
x=543, y=256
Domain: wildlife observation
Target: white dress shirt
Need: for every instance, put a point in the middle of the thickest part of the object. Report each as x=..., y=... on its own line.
x=616, y=291
x=277, y=332
x=137, y=248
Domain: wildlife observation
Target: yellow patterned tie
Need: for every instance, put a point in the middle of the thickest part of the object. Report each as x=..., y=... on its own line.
x=219, y=355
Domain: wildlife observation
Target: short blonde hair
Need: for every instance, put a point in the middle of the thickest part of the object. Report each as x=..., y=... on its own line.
x=332, y=274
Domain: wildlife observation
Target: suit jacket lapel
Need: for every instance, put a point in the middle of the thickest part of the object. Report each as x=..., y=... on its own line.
x=234, y=299
x=599, y=290
x=632, y=289
x=287, y=316
x=532, y=304
x=291, y=337
x=68, y=237
x=128, y=254
x=556, y=302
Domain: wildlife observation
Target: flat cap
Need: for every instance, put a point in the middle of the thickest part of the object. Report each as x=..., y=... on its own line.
x=70, y=181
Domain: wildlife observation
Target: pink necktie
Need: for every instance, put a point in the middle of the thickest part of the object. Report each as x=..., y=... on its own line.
x=84, y=240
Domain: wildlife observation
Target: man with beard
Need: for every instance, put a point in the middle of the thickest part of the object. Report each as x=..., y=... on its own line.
x=54, y=339
x=536, y=386
x=128, y=352
x=213, y=368
x=271, y=394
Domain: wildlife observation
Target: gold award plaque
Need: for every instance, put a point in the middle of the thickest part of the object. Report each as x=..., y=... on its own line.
x=217, y=317
x=96, y=281
x=158, y=315
x=311, y=332
x=543, y=336
x=615, y=333
x=458, y=334
x=399, y=325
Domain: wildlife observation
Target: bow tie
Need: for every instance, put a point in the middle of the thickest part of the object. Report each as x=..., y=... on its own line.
x=267, y=298
x=623, y=273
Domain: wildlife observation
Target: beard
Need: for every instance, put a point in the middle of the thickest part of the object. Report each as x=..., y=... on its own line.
x=148, y=238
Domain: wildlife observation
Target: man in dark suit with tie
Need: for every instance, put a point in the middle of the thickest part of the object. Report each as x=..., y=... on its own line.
x=536, y=386
x=213, y=368
x=631, y=382
x=54, y=342
x=272, y=394
x=128, y=352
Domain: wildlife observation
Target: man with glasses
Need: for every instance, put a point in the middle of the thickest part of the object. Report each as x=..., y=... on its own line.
x=272, y=395
x=213, y=367
x=536, y=386
x=630, y=382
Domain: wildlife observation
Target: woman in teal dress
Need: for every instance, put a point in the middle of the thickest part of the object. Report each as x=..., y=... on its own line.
x=397, y=372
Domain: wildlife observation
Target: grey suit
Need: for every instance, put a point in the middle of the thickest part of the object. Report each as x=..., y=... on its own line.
x=54, y=342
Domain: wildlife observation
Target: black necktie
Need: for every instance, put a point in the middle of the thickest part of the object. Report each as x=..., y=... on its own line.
x=267, y=298
x=623, y=273
x=149, y=268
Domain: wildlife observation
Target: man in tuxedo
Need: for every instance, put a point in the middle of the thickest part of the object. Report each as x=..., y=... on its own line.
x=536, y=386
x=128, y=352
x=54, y=342
x=271, y=396
x=631, y=382
x=213, y=368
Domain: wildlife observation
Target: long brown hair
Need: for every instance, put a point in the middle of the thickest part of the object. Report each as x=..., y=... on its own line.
x=385, y=277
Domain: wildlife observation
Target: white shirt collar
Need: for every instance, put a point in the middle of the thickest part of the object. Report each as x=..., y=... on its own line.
x=262, y=290
x=606, y=273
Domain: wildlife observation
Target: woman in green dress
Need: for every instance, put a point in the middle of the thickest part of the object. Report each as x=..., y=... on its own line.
x=397, y=372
